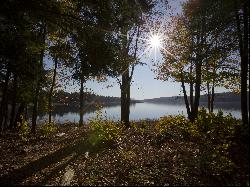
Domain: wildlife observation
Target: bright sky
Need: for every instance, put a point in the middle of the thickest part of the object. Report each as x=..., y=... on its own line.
x=144, y=85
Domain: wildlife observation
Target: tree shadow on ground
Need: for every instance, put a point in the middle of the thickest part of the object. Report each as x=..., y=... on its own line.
x=18, y=175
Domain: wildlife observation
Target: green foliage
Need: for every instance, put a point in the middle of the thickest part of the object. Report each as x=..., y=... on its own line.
x=128, y=155
x=141, y=126
x=48, y=128
x=102, y=129
x=213, y=134
x=216, y=125
x=172, y=126
x=24, y=129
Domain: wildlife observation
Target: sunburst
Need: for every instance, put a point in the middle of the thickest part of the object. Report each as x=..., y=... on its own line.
x=154, y=43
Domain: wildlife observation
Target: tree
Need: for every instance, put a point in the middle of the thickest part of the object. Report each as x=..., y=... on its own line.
x=18, y=54
x=199, y=48
x=130, y=26
x=96, y=45
x=242, y=22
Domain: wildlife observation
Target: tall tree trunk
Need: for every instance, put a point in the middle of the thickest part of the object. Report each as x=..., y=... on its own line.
x=126, y=81
x=191, y=78
x=125, y=97
x=191, y=90
x=208, y=87
x=4, y=102
x=208, y=97
x=185, y=97
x=212, y=98
x=38, y=83
x=246, y=57
x=198, y=65
x=197, y=89
x=13, y=105
x=243, y=66
x=20, y=112
x=127, y=103
x=213, y=85
x=52, y=88
x=81, y=102
x=191, y=97
x=34, y=110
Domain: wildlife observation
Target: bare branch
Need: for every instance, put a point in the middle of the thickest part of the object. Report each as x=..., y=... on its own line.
x=135, y=53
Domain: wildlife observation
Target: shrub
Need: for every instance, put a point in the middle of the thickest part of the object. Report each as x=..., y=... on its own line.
x=216, y=127
x=102, y=129
x=213, y=134
x=175, y=126
x=24, y=129
x=48, y=128
x=142, y=126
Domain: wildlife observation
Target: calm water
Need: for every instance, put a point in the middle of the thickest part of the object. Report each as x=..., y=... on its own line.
x=137, y=111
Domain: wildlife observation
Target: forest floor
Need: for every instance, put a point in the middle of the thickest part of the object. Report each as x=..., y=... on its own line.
x=139, y=157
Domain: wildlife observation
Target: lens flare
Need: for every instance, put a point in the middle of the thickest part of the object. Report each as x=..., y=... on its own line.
x=154, y=44
x=155, y=41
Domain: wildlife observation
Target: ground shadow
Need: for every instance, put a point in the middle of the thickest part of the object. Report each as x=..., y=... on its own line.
x=18, y=175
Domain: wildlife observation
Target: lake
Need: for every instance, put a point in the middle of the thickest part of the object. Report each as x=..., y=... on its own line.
x=138, y=111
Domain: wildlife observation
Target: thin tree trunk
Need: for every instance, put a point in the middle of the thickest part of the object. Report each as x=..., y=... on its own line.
x=52, y=88
x=243, y=72
x=127, y=103
x=81, y=102
x=192, y=80
x=197, y=90
x=4, y=102
x=213, y=85
x=246, y=57
x=191, y=97
x=198, y=65
x=125, y=99
x=208, y=97
x=38, y=83
x=34, y=111
x=212, y=98
x=191, y=90
x=185, y=98
x=13, y=105
x=19, y=113
x=208, y=88
x=122, y=102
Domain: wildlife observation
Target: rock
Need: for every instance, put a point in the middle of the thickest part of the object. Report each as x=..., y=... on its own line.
x=60, y=134
x=86, y=155
x=67, y=177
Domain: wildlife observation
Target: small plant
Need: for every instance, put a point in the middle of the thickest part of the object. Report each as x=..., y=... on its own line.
x=128, y=155
x=48, y=128
x=102, y=129
x=24, y=129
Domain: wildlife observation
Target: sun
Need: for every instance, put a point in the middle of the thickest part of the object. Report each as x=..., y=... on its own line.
x=155, y=41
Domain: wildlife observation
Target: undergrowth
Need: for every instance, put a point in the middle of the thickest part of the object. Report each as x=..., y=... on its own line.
x=170, y=151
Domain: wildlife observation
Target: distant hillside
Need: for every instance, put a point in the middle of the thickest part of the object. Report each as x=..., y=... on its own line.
x=72, y=99
x=225, y=99
x=169, y=100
